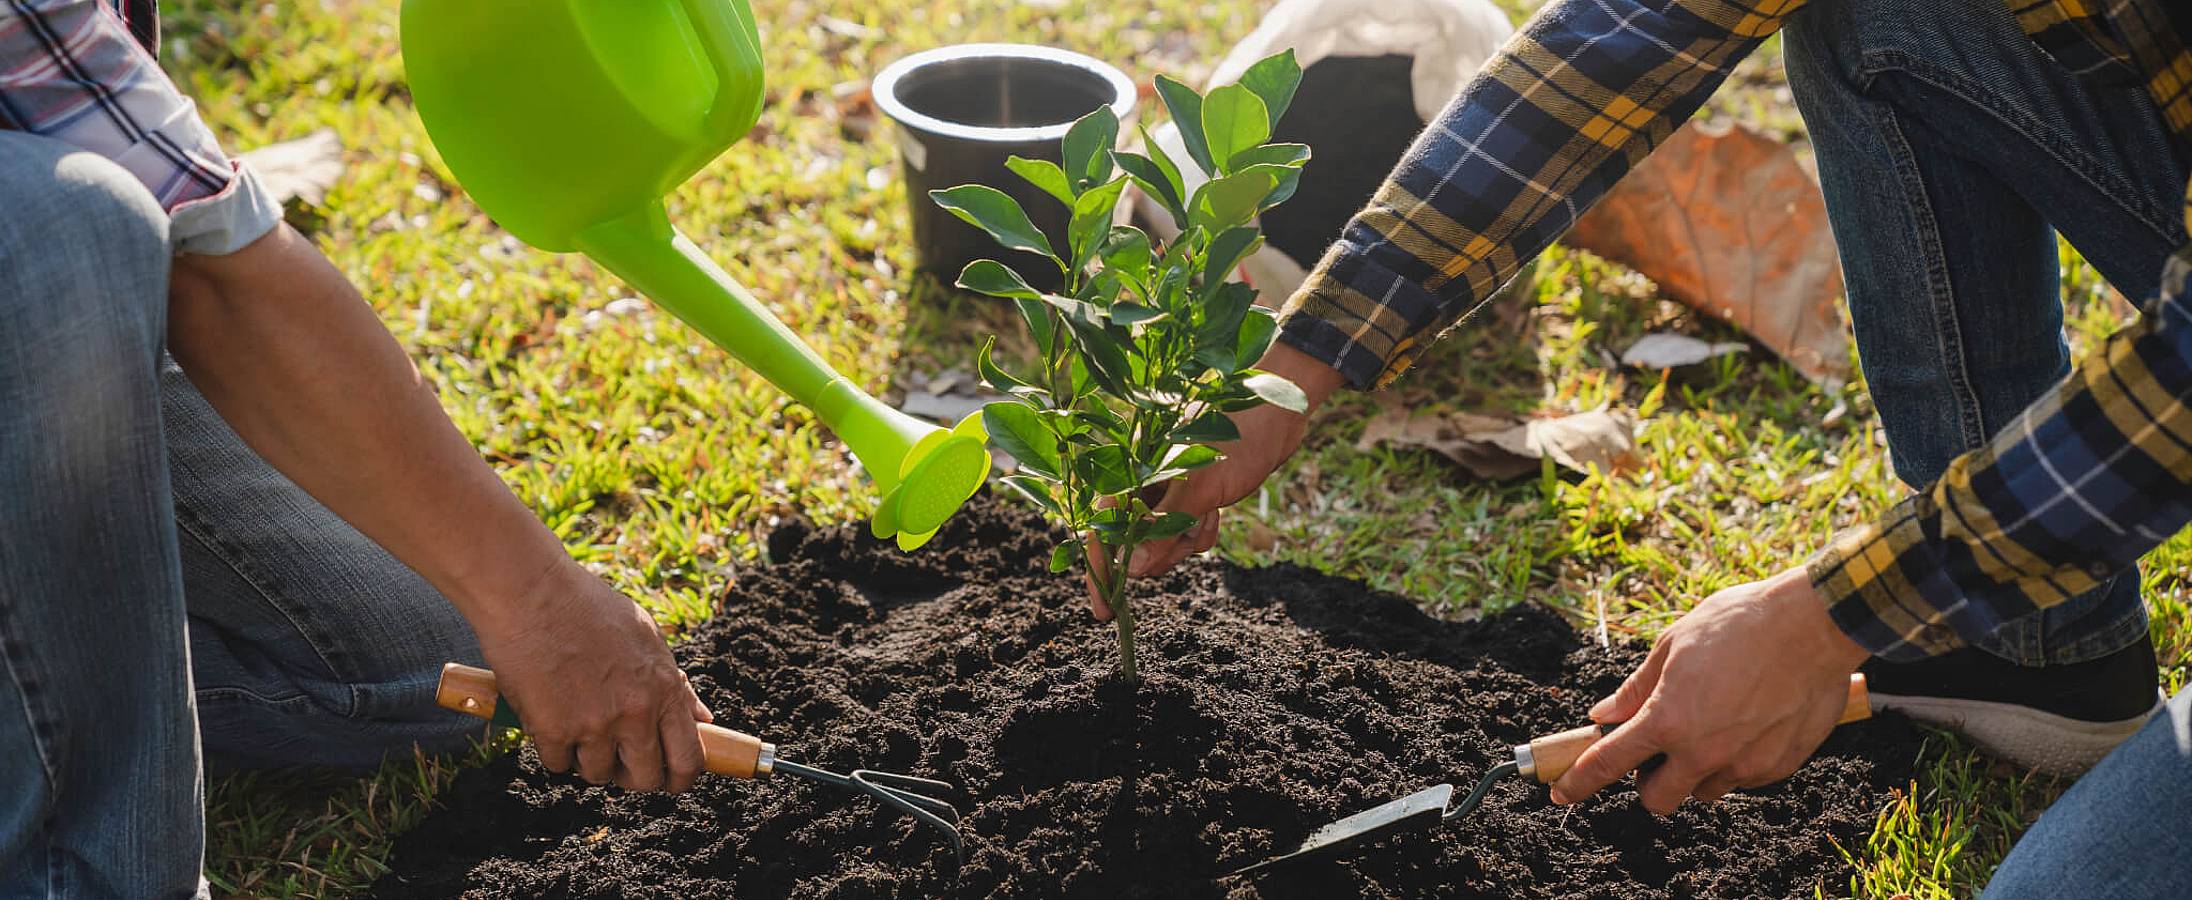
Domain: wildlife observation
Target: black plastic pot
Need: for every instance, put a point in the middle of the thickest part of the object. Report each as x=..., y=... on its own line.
x=962, y=111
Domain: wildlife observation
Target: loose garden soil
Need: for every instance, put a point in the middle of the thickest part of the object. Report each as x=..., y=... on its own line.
x=1276, y=700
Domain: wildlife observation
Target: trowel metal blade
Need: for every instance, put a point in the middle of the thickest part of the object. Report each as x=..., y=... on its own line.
x=1420, y=809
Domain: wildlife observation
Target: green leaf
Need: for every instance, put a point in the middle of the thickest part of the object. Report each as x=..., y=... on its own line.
x=1234, y=119
x=1103, y=352
x=1087, y=148
x=1044, y=174
x=1091, y=421
x=1078, y=313
x=1040, y=325
x=1239, y=402
x=1037, y=490
x=1226, y=251
x=1281, y=160
x=1130, y=314
x=1273, y=79
x=1106, y=284
x=1257, y=330
x=1170, y=170
x=1221, y=327
x=1212, y=427
x=1285, y=180
x=1278, y=391
x=1168, y=274
x=1106, y=469
x=988, y=276
x=1019, y=430
x=1215, y=357
x=1154, y=182
x=1077, y=371
x=989, y=209
x=1231, y=200
x=1112, y=525
x=1181, y=460
x=1187, y=114
x=1294, y=155
x=1063, y=556
x=1169, y=525
x=1162, y=158
x=994, y=375
x=1127, y=251
x=1092, y=217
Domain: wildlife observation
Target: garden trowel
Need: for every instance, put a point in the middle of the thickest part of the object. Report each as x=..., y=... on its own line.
x=569, y=120
x=1545, y=759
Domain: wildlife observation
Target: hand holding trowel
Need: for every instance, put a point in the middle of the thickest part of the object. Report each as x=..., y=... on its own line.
x=1544, y=759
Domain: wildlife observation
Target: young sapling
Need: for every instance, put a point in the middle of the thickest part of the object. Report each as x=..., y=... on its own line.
x=1150, y=344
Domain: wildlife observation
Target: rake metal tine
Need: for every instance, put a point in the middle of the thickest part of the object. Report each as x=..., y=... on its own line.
x=886, y=787
x=899, y=792
x=911, y=788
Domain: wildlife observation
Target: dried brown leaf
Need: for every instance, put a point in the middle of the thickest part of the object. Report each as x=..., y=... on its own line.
x=1728, y=222
x=1497, y=448
x=1600, y=438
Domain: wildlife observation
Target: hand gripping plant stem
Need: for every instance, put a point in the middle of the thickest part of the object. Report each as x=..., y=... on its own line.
x=569, y=121
x=1149, y=346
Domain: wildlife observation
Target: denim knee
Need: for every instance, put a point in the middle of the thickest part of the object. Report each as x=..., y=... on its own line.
x=2119, y=832
x=1856, y=42
x=84, y=258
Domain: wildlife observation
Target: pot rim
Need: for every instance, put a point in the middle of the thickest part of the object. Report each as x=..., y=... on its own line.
x=885, y=90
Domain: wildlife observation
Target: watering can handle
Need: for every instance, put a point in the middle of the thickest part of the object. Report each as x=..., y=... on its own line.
x=728, y=35
x=472, y=691
x=1549, y=757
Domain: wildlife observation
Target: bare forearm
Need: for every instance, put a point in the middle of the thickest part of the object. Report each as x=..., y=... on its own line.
x=286, y=350
x=1317, y=378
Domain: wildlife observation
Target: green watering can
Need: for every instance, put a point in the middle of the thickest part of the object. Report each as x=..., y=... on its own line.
x=568, y=120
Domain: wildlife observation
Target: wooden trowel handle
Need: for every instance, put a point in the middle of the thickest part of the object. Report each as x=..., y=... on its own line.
x=472, y=691
x=1549, y=757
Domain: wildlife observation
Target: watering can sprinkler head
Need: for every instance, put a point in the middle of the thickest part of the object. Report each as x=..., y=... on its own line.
x=924, y=472
x=568, y=120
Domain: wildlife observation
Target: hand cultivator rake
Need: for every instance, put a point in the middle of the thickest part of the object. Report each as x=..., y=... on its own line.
x=473, y=691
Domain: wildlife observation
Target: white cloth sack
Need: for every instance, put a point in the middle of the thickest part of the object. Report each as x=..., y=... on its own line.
x=1448, y=39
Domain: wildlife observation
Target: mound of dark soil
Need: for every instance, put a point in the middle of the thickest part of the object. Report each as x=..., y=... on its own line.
x=1276, y=700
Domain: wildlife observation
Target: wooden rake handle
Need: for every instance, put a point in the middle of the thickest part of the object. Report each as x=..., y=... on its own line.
x=1549, y=757
x=472, y=691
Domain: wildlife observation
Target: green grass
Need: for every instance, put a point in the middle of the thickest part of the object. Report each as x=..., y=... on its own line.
x=660, y=462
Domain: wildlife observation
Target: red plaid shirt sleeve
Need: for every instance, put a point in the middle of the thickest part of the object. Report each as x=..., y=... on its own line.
x=75, y=71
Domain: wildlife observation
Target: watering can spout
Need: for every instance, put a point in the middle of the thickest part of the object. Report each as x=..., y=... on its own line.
x=645, y=250
x=924, y=472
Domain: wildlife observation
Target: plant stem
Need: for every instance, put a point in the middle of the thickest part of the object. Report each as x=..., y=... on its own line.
x=1122, y=609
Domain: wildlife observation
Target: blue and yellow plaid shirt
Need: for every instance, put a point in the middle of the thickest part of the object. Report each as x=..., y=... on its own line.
x=2090, y=478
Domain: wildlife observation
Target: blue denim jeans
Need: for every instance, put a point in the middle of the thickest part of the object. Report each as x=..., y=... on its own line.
x=160, y=585
x=1952, y=151
x=2120, y=832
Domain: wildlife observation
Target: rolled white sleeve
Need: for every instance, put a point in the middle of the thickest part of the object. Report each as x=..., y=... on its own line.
x=71, y=71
